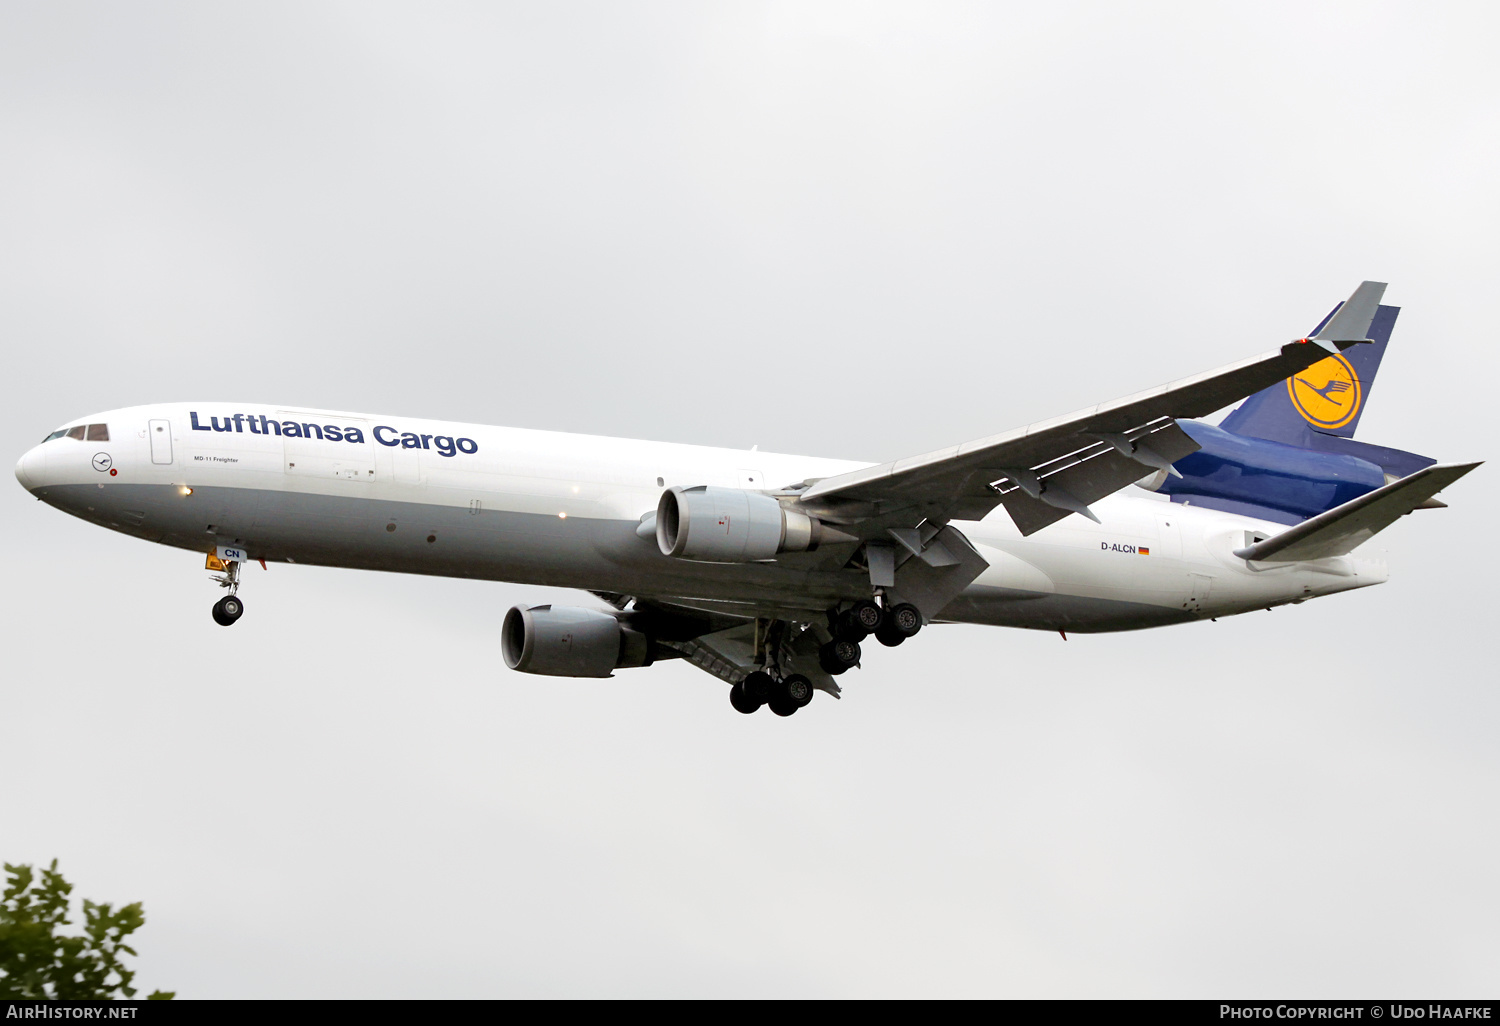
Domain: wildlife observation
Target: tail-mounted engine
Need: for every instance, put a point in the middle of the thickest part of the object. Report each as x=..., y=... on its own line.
x=726, y=525
x=567, y=641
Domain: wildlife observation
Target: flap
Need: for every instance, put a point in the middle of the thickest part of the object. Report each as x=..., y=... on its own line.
x=958, y=480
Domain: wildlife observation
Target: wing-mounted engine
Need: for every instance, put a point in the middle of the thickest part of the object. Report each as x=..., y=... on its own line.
x=727, y=525
x=568, y=641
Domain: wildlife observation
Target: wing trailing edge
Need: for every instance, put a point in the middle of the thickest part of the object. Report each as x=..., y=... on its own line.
x=1045, y=471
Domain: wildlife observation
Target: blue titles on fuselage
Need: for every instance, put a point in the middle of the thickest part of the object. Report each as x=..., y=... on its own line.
x=446, y=445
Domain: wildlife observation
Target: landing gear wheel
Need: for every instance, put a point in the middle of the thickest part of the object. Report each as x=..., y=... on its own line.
x=798, y=688
x=741, y=701
x=889, y=636
x=905, y=619
x=758, y=686
x=782, y=705
x=838, y=655
x=227, y=610
x=867, y=615
x=847, y=628
x=791, y=694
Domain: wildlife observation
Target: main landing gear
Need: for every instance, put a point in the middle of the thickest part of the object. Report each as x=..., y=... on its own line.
x=229, y=608
x=891, y=625
x=847, y=627
x=784, y=696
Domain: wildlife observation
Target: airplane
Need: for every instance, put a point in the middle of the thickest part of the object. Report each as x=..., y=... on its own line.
x=769, y=571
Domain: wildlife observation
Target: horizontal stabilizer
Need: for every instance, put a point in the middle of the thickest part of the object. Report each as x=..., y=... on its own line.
x=1344, y=527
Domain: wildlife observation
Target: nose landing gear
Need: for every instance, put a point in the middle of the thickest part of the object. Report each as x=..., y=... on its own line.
x=229, y=608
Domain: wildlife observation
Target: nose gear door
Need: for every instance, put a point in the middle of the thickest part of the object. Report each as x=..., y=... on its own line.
x=160, y=433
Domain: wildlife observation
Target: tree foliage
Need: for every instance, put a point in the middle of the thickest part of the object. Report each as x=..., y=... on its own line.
x=36, y=962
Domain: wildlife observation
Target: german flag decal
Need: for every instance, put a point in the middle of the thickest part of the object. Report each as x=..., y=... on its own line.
x=1143, y=551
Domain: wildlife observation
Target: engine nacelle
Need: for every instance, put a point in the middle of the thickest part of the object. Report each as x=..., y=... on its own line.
x=726, y=525
x=567, y=641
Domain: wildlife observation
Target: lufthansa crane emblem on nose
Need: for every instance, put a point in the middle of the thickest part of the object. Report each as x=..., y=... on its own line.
x=102, y=462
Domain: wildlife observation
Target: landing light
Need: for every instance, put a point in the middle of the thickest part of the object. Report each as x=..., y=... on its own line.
x=185, y=490
x=562, y=516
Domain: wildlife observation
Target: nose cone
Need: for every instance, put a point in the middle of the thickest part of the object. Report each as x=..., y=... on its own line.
x=30, y=467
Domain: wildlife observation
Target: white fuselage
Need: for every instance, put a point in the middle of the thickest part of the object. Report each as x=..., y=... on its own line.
x=550, y=508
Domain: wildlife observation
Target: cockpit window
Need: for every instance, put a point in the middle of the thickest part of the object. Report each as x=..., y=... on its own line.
x=89, y=432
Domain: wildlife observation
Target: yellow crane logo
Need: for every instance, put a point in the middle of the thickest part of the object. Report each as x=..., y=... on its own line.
x=1328, y=394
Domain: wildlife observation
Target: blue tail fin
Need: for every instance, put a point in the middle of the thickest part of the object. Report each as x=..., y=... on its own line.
x=1320, y=408
x=1328, y=397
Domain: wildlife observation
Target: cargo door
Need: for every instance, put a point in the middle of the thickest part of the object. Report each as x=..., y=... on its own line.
x=320, y=447
x=160, y=433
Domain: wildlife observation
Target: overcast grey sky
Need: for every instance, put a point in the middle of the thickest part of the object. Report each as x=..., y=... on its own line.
x=855, y=230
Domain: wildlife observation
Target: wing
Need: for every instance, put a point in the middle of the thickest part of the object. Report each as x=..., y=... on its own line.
x=1045, y=471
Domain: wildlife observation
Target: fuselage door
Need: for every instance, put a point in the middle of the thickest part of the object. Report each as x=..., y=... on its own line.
x=339, y=451
x=1168, y=536
x=160, y=432
x=1199, y=587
